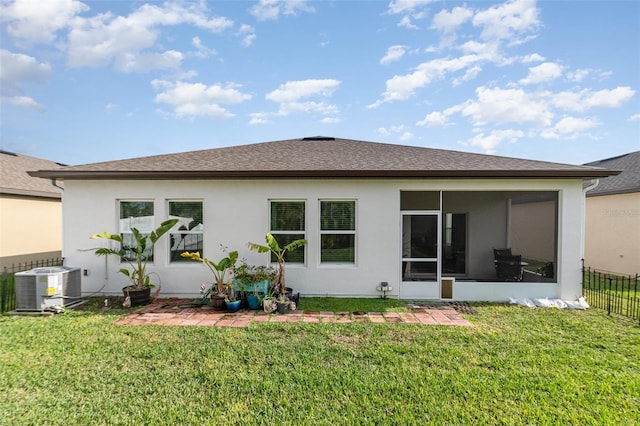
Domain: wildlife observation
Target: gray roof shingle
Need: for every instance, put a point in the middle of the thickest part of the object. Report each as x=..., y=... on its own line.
x=14, y=177
x=626, y=182
x=320, y=157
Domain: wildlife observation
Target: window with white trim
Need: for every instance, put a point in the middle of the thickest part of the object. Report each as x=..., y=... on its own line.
x=188, y=233
x=287, y=224
x=135, y=214
x=338, y=231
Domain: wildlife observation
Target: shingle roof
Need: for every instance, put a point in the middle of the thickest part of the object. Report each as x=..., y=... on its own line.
x=625, y=182
x=320, y=157
x=15, y=180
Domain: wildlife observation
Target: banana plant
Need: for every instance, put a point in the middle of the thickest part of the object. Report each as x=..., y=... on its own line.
x=218, y=269
x=273, y=246
x=136, y=255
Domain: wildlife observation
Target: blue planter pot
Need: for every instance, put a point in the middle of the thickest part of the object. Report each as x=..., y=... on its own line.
x=233, y=306
x=253, y=303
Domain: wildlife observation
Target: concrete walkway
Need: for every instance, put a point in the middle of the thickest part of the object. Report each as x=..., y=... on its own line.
x=177, y=314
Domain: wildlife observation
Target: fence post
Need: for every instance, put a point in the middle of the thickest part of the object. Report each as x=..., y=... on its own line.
x=3, y=290
x=609, y=298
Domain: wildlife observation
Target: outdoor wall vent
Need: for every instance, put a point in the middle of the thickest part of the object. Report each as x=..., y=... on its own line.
x=319, y=138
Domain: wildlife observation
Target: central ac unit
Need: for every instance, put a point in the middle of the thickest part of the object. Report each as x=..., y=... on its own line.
x=42, y=288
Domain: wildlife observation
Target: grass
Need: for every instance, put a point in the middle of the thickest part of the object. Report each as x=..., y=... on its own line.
x=515, y=366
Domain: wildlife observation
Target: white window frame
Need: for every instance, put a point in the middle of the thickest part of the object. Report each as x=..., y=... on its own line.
x=190, y=232
x=303, y=232
x=353, y=232
x=151, y=227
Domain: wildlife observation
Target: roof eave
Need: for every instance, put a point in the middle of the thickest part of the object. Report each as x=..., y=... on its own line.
x=252, y=174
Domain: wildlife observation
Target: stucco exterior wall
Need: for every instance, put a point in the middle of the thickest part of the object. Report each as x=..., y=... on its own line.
x=237, y=211
x=29, y=226
x=612, y=235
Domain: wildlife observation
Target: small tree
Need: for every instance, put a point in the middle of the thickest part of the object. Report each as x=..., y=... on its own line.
x=137, y=255
x=218, y=269
x=279, y=252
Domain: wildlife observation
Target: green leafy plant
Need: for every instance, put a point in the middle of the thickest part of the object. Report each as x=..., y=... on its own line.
x=219, y=270
x=246, y=273
x=136, y=255
x=273, y=247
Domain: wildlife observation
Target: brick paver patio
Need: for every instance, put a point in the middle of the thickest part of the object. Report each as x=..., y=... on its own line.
x=178, y=313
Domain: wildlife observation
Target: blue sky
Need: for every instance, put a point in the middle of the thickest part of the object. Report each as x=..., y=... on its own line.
x=91, y=81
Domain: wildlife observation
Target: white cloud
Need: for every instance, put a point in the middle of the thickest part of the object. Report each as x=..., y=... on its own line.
x=295, y=90
x=534, y=57
x=488, y=143
x=608, y=98
x=433, y=119
x=258, y=118
x=495, y=105
x=409, y=10
x=400, y=132
x=24, y=101
x=407, y=6
x=39, y=21
x=635, y=117
x=270, y=10
x=541, y=73
x=330, y=120
x=18, y=70
x=197, y=99
x=202, y=50
x=447, y=22
x=287, y=108
x=405, y=22
x=406, y=136
x=569, y=126
x=578, y=75
x=127, y=42
x=587, y=99
x=508, y=21
x=394, y=53
x=469, y=75
x=248, y=35
x=402, y=87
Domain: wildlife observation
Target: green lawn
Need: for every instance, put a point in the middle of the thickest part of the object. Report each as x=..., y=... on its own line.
x=515, y=366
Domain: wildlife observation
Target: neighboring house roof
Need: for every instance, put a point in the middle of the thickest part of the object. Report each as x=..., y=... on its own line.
x=626, y=182
x=318, y=157
x=15, y=180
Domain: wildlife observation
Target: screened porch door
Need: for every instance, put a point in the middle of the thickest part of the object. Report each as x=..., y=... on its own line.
x=421, y=240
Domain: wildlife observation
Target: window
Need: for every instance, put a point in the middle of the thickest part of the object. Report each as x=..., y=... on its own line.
x=139, y=215
x=337, y=231
x=188, y=234
x=287, y=223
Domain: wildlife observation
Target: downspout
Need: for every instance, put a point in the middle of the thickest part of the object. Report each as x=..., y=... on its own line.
x=55, y=185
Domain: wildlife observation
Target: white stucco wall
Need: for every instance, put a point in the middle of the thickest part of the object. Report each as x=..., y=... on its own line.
x=237, y=211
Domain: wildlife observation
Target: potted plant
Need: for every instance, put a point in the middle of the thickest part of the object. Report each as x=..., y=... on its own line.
x=138, y=292
x=279, y=284
x=253, y=282
x=222, y=289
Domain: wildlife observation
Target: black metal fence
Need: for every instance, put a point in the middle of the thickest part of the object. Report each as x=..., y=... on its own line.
x=617, y=294
x=8, y=282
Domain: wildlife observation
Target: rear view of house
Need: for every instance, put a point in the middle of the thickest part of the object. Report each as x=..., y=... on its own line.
x=424, y=221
